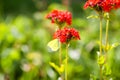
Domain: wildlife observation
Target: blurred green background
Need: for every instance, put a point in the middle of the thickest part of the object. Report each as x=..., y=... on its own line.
x=24, y=34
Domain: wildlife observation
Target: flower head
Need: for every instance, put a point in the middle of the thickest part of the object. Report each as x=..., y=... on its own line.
x=103, y=5
x=60, y=17
x=66, y=34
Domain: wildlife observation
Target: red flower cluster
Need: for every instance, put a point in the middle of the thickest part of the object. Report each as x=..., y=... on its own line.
x=60, y=17
x=66, y=34
x=104, y=5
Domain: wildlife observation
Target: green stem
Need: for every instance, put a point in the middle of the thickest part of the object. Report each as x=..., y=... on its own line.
x=60, y=55
x=100, y=36
x=100, y=45
x=60, y=58
x=66, y=61
x=106, y=43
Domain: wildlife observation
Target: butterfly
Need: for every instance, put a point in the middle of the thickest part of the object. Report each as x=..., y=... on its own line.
x=54, y=45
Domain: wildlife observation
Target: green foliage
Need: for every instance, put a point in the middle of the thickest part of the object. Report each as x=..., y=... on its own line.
x=92, y=16
x=60, y=69
x=109, y=47
x=107, y=70
x=92, y=77
x=101, y=60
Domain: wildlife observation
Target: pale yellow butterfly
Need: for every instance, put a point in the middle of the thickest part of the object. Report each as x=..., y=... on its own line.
x=54, y=45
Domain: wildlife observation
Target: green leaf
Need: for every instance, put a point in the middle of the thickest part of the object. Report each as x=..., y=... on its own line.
x=114, y=45
x=106, y=16
x=54, y=45
x=107, y=70
x=92, y=16
x=57, y=68
x=101, y=60
x=92, y=77
x=108, y=47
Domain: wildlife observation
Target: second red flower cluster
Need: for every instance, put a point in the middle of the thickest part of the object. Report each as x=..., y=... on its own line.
x=66, y=35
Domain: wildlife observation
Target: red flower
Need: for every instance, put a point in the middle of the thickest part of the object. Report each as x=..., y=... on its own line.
x=66, y=34
x=60, y=17
x=107, y=5
x=103, y=5
x=117, y=4
x=90, y=3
